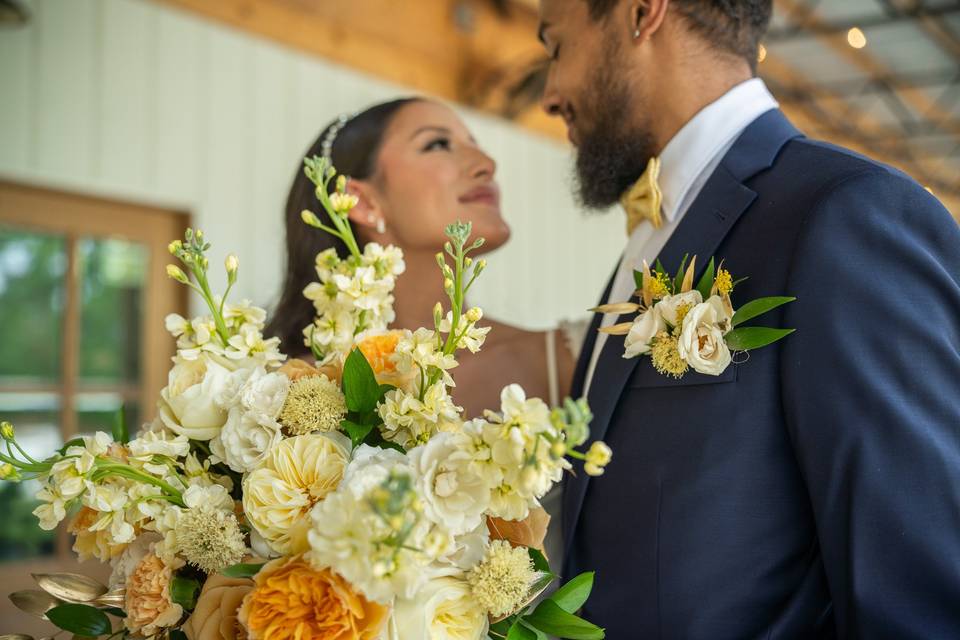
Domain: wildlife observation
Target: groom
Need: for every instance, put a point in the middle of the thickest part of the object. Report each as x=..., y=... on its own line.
x=812, y=490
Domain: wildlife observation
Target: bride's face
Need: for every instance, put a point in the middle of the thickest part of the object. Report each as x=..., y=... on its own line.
x=430, y=173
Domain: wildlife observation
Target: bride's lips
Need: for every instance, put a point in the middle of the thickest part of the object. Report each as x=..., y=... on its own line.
x=487, y=194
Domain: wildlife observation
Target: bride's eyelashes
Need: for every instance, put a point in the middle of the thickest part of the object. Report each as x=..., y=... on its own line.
x=438, y=143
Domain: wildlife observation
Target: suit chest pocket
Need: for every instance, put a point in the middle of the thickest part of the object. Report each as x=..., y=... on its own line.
x=646, y=377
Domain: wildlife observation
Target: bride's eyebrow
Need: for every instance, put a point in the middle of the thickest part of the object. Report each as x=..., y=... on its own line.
x=434, y=128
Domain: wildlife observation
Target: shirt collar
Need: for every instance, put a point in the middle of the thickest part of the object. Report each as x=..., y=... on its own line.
x=711, y=130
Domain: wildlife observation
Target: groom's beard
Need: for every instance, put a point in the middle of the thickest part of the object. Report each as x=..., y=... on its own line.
x=610, y=158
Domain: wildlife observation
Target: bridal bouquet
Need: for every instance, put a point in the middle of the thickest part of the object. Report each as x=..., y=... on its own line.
x=348, y=499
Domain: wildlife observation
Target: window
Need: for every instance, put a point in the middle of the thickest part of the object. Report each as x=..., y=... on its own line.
x=83, y=294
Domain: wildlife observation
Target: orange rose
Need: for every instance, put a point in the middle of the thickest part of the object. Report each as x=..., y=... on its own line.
x=292, y=600
x=522, y=533
x=215, y=616
x=378, y=349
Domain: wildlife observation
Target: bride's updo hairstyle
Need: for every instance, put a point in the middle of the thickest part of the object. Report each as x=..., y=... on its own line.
x=353, y=153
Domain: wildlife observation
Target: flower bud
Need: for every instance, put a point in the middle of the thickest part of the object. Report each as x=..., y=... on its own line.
x=341, y=184
x=6, y=430
x=342, y=203
x=437, y=314
x=474, y=314
x=177, y=274
x=448, y=285
x=232, y=263
x=440, y=261
x=310, y=218
x=598, y=457
x=175, y=247
x=467, y=261
x=558, y=449
x=481, y=265
x=9, y=472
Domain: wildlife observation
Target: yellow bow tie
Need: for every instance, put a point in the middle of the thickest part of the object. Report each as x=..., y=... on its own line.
x=642, y=201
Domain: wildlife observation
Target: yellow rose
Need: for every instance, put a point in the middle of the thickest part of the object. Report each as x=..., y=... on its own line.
x=293, y=600
x=378, y=348
x=295, y=475
x=215, y=616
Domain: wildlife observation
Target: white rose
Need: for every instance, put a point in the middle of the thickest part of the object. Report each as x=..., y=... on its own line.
x=187, y=404
x=244, y=441
x=671, y=304
x=263, y=395
x=701, y=340
x=453, y=494
x=444, y=609
x=645, y=327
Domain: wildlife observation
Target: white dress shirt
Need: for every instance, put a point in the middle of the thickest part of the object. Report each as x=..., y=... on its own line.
x=687, y=161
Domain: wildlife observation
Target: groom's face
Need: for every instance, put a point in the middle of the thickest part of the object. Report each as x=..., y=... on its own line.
x=587, y=86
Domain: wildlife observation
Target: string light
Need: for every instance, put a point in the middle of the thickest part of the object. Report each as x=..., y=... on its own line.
x=856, y=38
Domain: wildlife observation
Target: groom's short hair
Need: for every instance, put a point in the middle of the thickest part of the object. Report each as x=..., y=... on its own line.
x=735, y=26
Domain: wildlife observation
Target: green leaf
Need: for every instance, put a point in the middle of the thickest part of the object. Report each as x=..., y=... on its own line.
x=759, y=307
x=359, y=383
x=550, y=618
x=638, y=279
x=176, y=634
x=747, y=338
x=76, y=442
x=114, y=611
x=520, y=632
x=384, y=390
x=539, y=561
x=706, y=280
x=571, y=596
x=357, y=432
x=120, y=433
x=682, y=271
x=242, y=570
x=184, y=591
x=502, y=628
x=659, y=267
x=81, y=619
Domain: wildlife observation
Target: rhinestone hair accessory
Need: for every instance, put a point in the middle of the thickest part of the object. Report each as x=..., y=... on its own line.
x=326, y=147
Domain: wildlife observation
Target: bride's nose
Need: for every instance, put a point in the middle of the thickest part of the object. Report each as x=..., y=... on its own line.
x=481, y=165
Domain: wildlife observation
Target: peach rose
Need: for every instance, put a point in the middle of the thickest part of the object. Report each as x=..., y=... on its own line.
x=216, y=614
x=92, y=544
x=378, y=348
x=296, y=369
x=293, y=600
x=529, y=532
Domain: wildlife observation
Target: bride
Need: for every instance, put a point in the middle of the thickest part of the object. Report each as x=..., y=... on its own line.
x=415, y=168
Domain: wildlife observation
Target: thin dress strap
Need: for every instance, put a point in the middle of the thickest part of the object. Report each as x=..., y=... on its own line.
x=552, y=384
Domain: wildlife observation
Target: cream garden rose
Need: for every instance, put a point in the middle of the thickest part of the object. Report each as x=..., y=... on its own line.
x=188, y=403
x=701, y=340
x=645, y=327
x=444, y=609
x=296, y=474
x=670, y=306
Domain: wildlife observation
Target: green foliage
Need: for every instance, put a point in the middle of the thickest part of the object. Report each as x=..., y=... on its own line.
x=120, y=432
x=80, y=619
x=184, y=591
x=571, y=596
x=550, y=618
x=706, y=280
x=242, y=570
x=539, y=561
x=759, y=307
x=747, y=338
x=360, y=385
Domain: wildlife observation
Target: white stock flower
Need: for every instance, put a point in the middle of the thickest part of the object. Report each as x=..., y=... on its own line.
x=158, y=442
x=701, y=341
x=473, y=336
x=419, y=350
x=453, y=494
x=188, y=404
x=263, y=395
x=642, y=332
x=670, y=305
x=408, y=421
x=443, y=609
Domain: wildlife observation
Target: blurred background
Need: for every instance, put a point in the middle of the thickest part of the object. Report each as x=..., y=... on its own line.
x=124, y=121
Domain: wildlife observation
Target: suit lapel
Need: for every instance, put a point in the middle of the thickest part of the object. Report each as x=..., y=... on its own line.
x=721, y=202
x=586, y=351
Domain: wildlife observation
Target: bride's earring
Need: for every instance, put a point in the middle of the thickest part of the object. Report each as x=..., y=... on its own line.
x=381, y=225
x=636, y=34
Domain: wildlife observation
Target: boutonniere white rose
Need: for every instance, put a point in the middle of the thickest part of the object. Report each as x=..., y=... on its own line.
x=682, y=327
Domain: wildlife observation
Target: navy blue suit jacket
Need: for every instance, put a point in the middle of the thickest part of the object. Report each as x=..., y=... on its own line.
x=814, y=490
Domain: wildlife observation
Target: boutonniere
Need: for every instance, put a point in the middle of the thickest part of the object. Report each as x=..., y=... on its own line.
x=682, y=327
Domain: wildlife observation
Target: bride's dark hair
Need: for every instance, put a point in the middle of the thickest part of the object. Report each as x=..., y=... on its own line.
x=354, y=154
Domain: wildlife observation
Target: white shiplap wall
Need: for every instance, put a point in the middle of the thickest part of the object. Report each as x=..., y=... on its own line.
x=133, y=100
